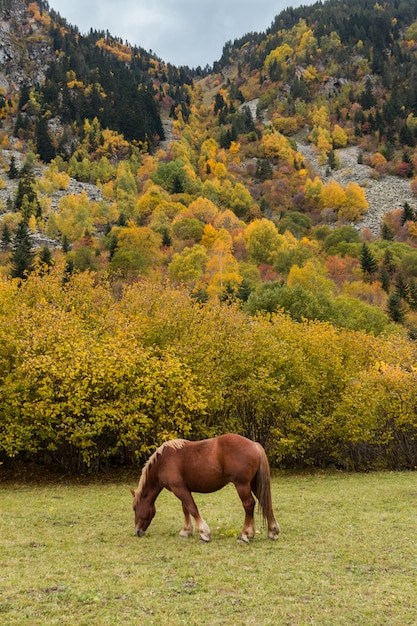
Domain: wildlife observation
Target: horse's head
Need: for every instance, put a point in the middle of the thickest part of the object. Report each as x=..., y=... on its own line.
x=144, y=509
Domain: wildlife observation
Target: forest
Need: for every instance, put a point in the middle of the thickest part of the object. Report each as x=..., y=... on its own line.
x=171, y=264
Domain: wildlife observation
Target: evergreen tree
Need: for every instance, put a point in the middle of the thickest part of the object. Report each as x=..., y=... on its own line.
x=113, y=244
x=389, y=151
x=26, y=199
x=367, y=98
x=44, y=145
x=263, y=169
x=6, y=237
x=225, y=139
x=396, y=309
x=219, y=103
x=385, y=278
x=401, y=286
x=21, y=123
x=22, y=256
x=68, y=271
x=408, y=214
x=45, y=259
x=65, y=244
x=389, y=262
x=166, y=238
x=122, y=221
x=406, y=136
x=13, y=171
x=24, y=95
x=368, y=263
x=386, y=232
x=332, y=160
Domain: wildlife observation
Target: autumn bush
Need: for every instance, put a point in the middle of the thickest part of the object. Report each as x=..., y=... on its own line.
x=90, y=376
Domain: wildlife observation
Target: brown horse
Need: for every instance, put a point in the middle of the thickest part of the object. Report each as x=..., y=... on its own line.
x=183, y=466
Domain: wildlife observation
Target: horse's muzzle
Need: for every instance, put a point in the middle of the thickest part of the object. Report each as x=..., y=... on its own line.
x=140, y=533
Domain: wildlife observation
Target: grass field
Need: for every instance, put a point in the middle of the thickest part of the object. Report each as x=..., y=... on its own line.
x=347, y=555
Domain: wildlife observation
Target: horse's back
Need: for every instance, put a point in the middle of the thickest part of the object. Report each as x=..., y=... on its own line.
x=240, y=456
x=208, y=465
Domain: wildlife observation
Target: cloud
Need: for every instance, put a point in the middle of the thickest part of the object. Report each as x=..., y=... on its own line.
x=182, y=32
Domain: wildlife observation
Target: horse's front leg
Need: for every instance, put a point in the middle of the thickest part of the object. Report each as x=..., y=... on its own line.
x=190, y=508
x=248, y=502
x=188, y=529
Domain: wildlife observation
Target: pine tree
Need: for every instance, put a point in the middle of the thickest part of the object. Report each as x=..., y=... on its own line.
x=385, y=279
x=408, y=214
x=6, y=237
x=113, y=244
x=45, y=259
x=367, y=98
x=65, y=244
x=332, y=160
x=13, y=171
x=44, y=145
x=26, y=199
x=24, y=95
x=401, y=286
x=122, y=221
x=22, y=256
x=68, y=271
x=263, y=169
x=386, y=232
x=368, y=263
x=396, y=309
x=389, y=262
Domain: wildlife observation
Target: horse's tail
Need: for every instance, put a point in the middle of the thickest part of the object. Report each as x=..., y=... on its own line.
x=262, y=485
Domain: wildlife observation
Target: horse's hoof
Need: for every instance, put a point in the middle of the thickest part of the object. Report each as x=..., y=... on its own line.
x=243, y=539
x=204, y=539
x=273, y=533
x=185, y=534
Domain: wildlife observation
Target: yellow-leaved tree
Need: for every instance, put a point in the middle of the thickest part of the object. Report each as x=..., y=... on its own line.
x=312, y=277
x=138, y=250
x=74, y=218
x=355, y=204
x=188, y=265
x=263, y=241
x=339, y=137
x=222, y=268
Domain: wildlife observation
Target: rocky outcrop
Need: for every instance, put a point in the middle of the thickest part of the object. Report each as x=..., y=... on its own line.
x=383, y=195
x=24, y=53
x=75, y=187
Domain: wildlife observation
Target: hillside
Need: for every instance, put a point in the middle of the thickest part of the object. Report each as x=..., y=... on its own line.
x=185, y=253
x=295, y=158
x=309, y=129
x=272, y=134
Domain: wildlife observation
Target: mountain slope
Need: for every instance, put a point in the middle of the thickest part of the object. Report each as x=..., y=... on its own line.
x=250, y=188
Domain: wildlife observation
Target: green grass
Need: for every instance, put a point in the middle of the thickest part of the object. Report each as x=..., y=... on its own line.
x=347, y=555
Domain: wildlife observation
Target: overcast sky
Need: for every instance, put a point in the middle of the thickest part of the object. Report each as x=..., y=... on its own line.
x=181, y=32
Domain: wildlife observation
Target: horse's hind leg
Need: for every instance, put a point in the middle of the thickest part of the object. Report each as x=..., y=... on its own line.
x=268, y=514
x=190, y=508
x=248, y=502
x=188, y=529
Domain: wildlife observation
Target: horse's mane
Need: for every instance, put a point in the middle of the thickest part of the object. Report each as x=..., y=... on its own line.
x=176, y=444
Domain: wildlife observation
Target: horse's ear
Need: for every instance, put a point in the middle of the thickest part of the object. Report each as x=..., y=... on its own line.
x=132, y=492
